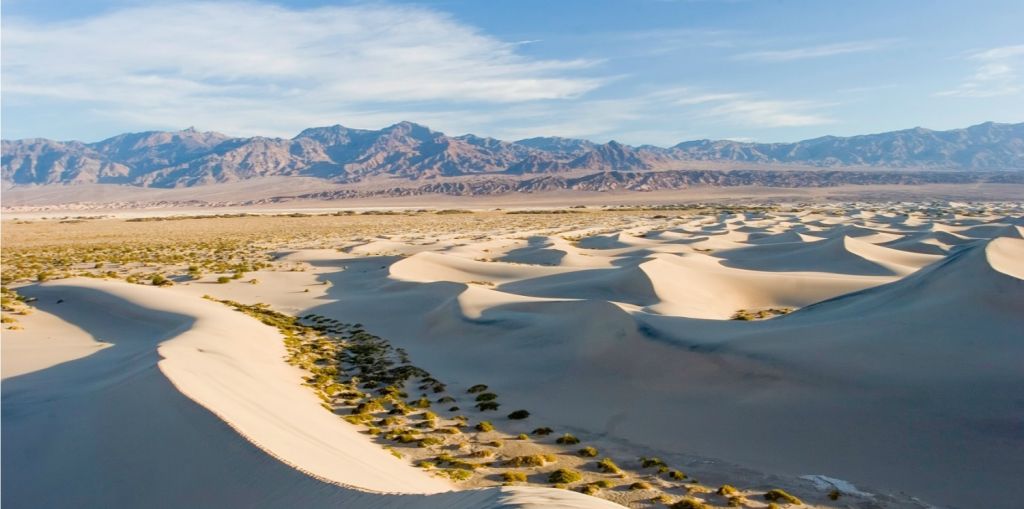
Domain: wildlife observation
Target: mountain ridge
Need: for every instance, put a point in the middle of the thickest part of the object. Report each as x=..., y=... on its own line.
x=410, y=151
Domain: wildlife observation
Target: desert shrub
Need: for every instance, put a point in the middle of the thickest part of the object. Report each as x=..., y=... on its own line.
x=223, y=280
x=603, y=483
x=737, y=501
x=485, y=426
x=727, y=490
x=518, y=415
x=588, y=452
x=487, y=405
x=446, y=399
x=777, y=495
x=406, y=438
x=640, y=485
x=589, y=489
x=533, y=460
x=542, y=431
x=689, y=503
x=564, y=476
x=429, y=416
x=676, y=475
x=457, y=474
x=834, y=494
x=608, y=466
x=487, y=396
x=513, y=476
x=422, y=403
x=160, y=280
x=430, y=441
x=495, y=443
x=522, y=436
x=646, y=462
x=482, y=453
x=368, y=407
x=426, y=464
x=567, y=439
x=477, y=388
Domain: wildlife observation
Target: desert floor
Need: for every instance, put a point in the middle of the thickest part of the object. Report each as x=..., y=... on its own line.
x=850, y=354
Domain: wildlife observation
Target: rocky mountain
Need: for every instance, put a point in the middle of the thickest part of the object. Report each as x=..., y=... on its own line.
x=412, y=152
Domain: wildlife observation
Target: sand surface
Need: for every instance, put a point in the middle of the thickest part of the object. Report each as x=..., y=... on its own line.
x=898, y=369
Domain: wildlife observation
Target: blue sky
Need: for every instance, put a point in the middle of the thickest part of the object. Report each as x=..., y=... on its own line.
x=642, y=71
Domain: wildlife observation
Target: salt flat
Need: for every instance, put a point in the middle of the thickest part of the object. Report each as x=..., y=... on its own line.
x=877, y=345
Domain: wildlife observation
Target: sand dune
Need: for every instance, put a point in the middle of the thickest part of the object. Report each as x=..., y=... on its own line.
x=899, y=369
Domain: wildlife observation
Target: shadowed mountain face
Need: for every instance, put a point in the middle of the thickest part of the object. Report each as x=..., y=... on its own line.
x=411, y=151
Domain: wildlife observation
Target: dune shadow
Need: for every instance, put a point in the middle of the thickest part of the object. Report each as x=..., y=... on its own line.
x=111, y=430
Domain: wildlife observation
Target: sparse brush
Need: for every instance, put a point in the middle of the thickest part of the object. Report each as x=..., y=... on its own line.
x=519, y=415
x=777, y=495
x=513, y=476
x=567, y=439
x=588, y=452
x=564, y=476
x=484, y=426
x=608, y=466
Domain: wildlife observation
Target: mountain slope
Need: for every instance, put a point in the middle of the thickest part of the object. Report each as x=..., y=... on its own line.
x=411, y=151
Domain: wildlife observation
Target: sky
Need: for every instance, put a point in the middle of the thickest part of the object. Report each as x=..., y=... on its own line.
x=640, y=72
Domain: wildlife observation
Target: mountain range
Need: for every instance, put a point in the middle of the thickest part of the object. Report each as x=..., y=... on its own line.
x=412, y=152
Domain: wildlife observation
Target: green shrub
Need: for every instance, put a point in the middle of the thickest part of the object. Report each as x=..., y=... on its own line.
x=542, y=431
x=457, y=474
x=487, y=405
x=589, y=489
x=646, y=462
x=426, y=464
x=588, y=452
x=608, y=466
x=727, y=490
x=160, y=280
x=676, y=475
x=640, y=485
x=519, y=415
x=430, y=441
x=487, y=396
x=482, y=453
x=564, y=476
x=513, y=476
x=485, y=426
x=567, y=439
x=533, y=460
x=477, y=388
x=522, y=436
x=777, y=495
x=223, y=280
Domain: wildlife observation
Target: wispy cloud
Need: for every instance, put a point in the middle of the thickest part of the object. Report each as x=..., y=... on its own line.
x=819, y=51
x=753, y=110
x=995, y=74
x=256, y=67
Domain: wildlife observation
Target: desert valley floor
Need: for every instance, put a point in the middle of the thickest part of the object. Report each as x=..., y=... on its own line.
x=850, y=355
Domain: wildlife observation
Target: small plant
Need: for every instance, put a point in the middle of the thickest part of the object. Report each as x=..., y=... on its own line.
x=457, y=474
x=727, y=490
x=777, y=495
x=522, y=436
x=430, y=441
x=223, y=280
x=676, y=475
x=485, y=426
x=426, y=465
x=588, y=452
x=567, y=439
x=487, y=396
x=518, y=415
x=646, y=462
x=589, y=489
x=603, y=483
x=487, y=405
x=564, y=476
x=689, y=503
x=608, y=466
x=834, y=494
x=542, y=431
x=160, y=280
x=533, y=460
x=513, y=476
x=640, y=485
x=477, y=388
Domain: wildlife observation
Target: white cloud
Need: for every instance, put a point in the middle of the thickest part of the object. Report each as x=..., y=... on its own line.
x=751, y=110
x=248, y=67
x=995, y=74
x=825, y=50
